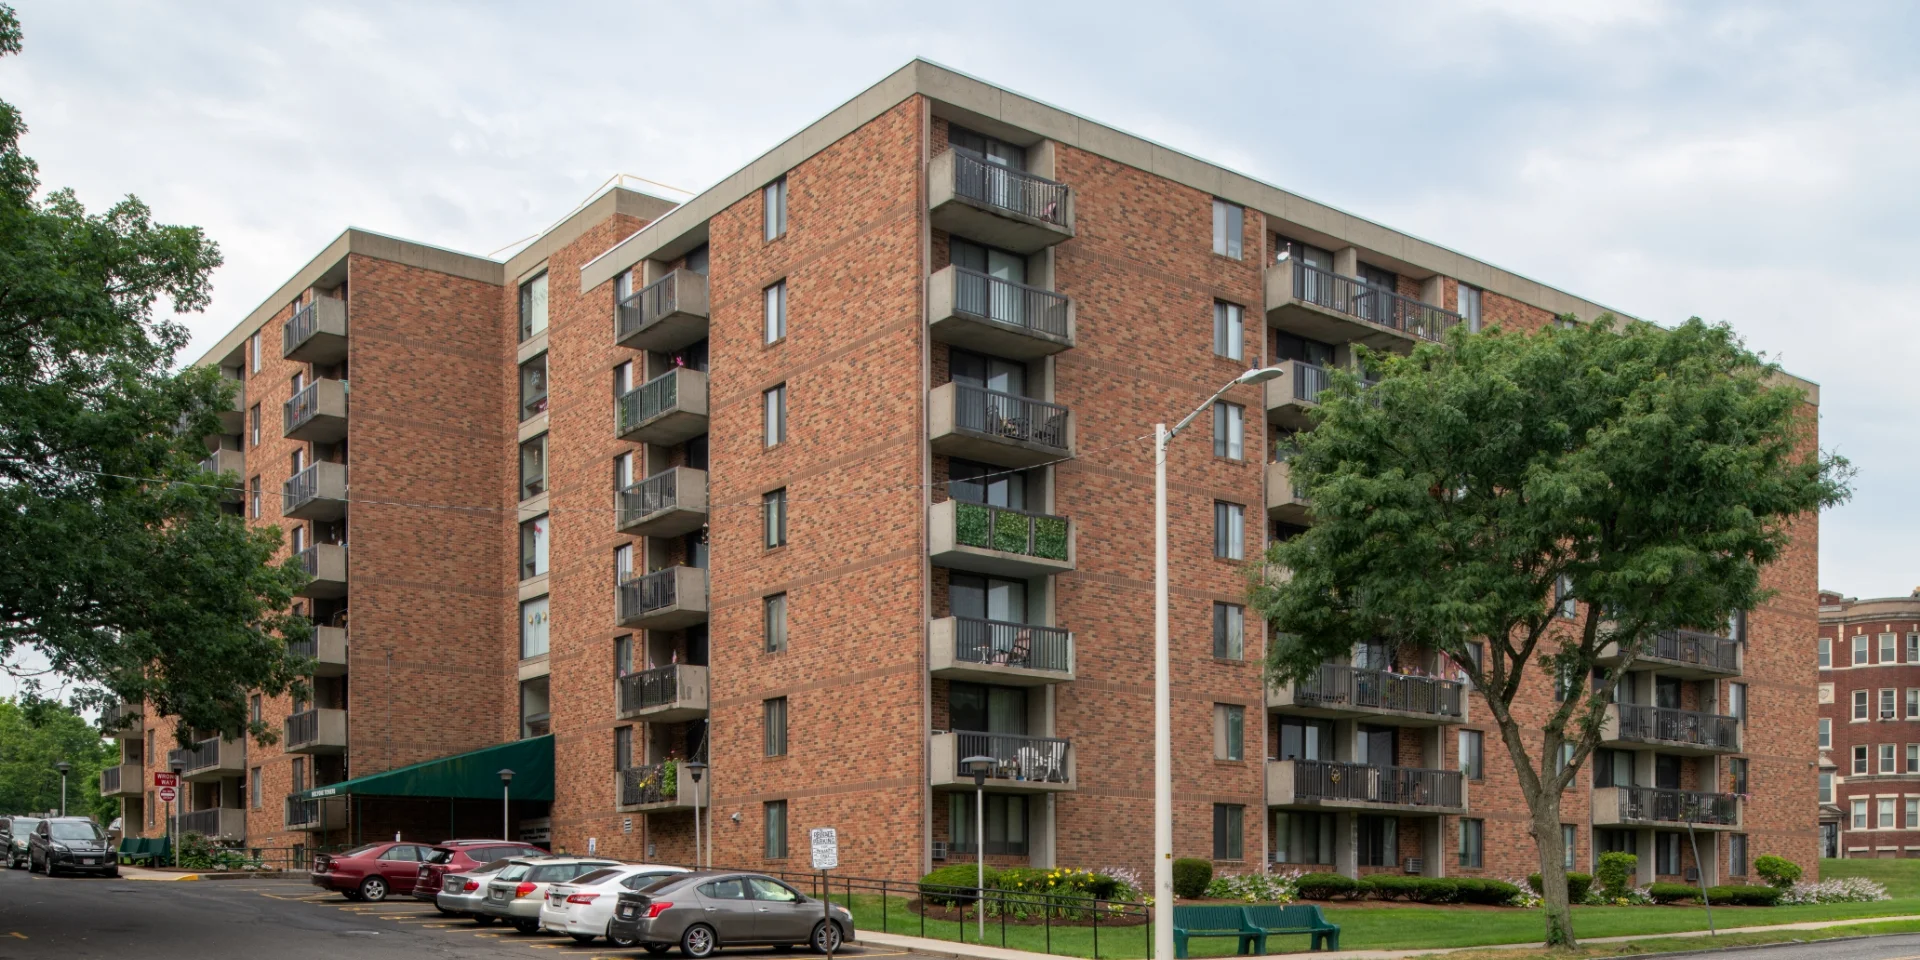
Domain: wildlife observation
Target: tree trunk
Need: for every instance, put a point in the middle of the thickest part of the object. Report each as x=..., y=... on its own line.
x=1546, y=839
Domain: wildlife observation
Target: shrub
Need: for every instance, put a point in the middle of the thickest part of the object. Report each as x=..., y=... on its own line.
x=1416, y=889
x=1615, y=874
x=1323, y=886
x=1673, y=893
x=1777, y=871
x=1745, y=895
x=1577, y=886
x=1486, y=891
x=1849, y=890
x=953, y=885
x=1191, y=876
x=1251, y=888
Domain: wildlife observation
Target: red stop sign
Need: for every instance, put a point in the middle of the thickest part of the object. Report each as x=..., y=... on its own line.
x=165, y=794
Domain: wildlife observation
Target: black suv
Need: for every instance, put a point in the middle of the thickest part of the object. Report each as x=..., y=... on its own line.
x=14, y=832
x=70, y=843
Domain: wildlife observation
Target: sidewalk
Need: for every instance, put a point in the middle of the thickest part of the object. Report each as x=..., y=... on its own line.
x=972, y=951
x=128, y=872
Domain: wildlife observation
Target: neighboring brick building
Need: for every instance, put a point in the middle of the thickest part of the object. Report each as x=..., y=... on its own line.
x=842, y=474
x=1869, y=726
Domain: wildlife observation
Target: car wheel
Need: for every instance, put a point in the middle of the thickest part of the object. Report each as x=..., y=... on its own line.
x=485, y=919
x=619, y=941
x=697, y=941
x=826, y=937
x=525, y=925
x=373, y=889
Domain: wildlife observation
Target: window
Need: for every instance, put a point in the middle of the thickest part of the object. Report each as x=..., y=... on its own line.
x=534, y=622
x=1472, y=756
x=1860, y=760
x=776, y=301
x=533, y=387
x=1569, y=842
x=1229, y=330
x=1229, y=732
x=623, y=748
x=1913, y=648
x=1304, y=838
x=1229, y=530
x=1826, y=733
x=1913, y=758
x=1887, y=759
x=1229, y=631
x=623, y=654
x=774, y=615
x=773, y=722
x=1563, y=596
x=253, y=352
x=1229, y=833
x=253, y=787
x=1472, y=842
x=1826, y=788
x=533, y=307
x=1566, y=681
x=150, y=804
x=253, y=498
x=1860, y=814
x=1737, y=701
x=1666, y=853
x=1889, y=648
x=773, y=509
x=1860, y=705
x=253, y=425
x=1378, y=840
x=297, y=539
x=1826, y=653
x=1469, y=307
x=774, y=425
x=1886, y=813
x=623, y=477
x=1737, y=773
x=623, y=382
x=533, y=467
x=534, y=537
x=1860, y=650
x=623, y=563
x=1229, y=228
x=1006, y=823
x=1913, y=703
x=773, y=204
x=1229, y=435
x=774, y=814
x=253, y=708
x=1886, y=703
x=536, y=720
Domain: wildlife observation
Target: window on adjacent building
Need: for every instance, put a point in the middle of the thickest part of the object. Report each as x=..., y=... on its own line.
x=1563, y=601
x=1229, y=831
x=623, y=654
x=253, y=353
x=1860, y=704
x=534, y=536
x=1229, y=433
x=774, y=814
x=1737, y=701
x=1913, y=813
x=1913, y=703
x=1913, y=758
x=1889, y=648
x=773, y=722
x=622, y=747
x=1229, y=631
x=1886, y=813
x=773, y=205
x=1229, y=330
x=533, y=467
x=1229, y=731
x=253, y=498
x=1469, y=307
x=1826, y=733
x=1859, y=814
x=1887, y=759
x=533, y=627
x=1737, y=854
x=1472, y=842
x=1860, y=760
x=1737, y=773
x=1913, y=648
x=1472, y=758
x=1826, y=788
x=253, y=788
x=533, y=307
x=536, y=717
x=1826, y=652
x=1860, y=650
x=773, y=510
x=1887, y=695
x=1229, y=228
x=774, y=423
x=774, y=616
x=253, y=425
x=533, y=387
x=776, y=311
x=1229, y=530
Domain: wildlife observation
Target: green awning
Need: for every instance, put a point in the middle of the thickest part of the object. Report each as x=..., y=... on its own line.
x=474, y=775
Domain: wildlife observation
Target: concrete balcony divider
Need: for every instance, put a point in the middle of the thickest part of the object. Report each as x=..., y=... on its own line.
x=978, y=311
x=997, y=205
x=995, y=540
x=1021, y=764
x=319, y=730
x=317, y=413
x=671, y=408
x=233, y=417
x=994, y=651
x=226, y=462
x=669, y=313
x=326, y=564
x=1329, y=784
x=317, y=332
x=317, y=493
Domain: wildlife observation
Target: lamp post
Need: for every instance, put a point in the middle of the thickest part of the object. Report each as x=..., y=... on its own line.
x=978, y=766
x=63, y=767
x=173, y=820
x=506, y=787
x=694, y=769
x=1162, y=682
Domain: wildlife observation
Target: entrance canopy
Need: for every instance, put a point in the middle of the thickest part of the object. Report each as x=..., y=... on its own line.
x=474, y=775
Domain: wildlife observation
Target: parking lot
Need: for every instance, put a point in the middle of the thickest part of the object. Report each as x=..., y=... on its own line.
x=84, y=917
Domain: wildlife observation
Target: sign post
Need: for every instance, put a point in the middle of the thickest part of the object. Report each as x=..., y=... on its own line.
x=165, y=786
x=826, y=856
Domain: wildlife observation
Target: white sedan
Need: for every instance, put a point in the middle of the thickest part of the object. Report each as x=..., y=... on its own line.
x=583, y=907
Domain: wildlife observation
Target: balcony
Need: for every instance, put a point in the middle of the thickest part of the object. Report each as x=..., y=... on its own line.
x=317, y=731
x=1295, y=394
x=326, y=565
x=317, y=493
x=1688, y=732
x=319, y=813
x=981, y=312
x=317, y=332
x=1654, y=807
x=1685, y=654
x=124, y=780
x=668, y=314
x=1325, y=306
x=233, y=416
x=211, y=759
x=121, y=720
x=994, y=427
x=669, y=694
x=669, y=409
x=667, y=504
x=1020, y=764
x=995, y=651
x=317, y=413
x=645, y=789
x=997, y=205
x=667, y=599
x=996, y=540
x=225, y=462
x=1381, y=696
x=1285, y=502
x=1330, y=784
x=217, y=823
x=326, y=647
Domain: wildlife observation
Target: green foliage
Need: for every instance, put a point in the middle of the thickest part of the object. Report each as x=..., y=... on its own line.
x=670, y=778
x=1191, y=876
x=1387, y=886
x=1615, y=874
x=1746, y=895
x=970, y=523
x=35, y=735
x=119, y=573
x=1674, y=893
x=1776, y=871
x=954, y=884
x=1251, y=888
x=1577, y=886
x=202, y=853
x=1485, y=891
x=1324, y=886
x=1050, y=538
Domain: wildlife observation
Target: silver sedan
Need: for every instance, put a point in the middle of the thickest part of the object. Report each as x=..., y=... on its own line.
x=702, y=912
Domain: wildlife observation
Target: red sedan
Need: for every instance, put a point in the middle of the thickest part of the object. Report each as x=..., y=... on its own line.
x=460, y=856
x=372, y=871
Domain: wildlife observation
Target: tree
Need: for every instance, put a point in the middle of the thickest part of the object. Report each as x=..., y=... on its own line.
x=122, y=571
x=1653, y=472
x=35, y=735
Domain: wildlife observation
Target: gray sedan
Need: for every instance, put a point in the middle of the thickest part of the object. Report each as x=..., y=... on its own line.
x=702, y=912
x=462, y=892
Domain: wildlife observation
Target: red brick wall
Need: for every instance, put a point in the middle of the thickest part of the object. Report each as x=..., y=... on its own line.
x=1840, y=622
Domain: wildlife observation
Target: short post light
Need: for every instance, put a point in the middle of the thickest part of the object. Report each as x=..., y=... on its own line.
x=63, y=767
x=506, y=787
x=979, y=766
x=696, y=769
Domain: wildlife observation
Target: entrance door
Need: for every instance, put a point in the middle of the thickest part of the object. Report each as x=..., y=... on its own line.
x=1830, y=840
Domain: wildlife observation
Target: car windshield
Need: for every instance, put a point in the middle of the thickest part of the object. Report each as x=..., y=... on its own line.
x=513, y=871
x=23, y=826
x=70, y=830
x=439, y=855
x=363, y=848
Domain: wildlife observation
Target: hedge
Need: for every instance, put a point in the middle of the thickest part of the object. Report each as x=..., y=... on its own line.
x=1744, y=895
x=954, y=884
x=1577, y=886
x=1486, y=891
x=1673, y=893
x=1190, y=877
x=1776, y=871
x=1417, y=889
x=1324, y=886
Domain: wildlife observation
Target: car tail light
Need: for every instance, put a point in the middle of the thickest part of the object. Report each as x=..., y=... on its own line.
x=523, y=889
x=582, y=898
x=471, y=886
x=657, y=907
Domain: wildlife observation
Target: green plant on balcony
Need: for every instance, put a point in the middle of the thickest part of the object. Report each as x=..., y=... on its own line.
x=1010, y=534
x=970, y=524
x=670, y=779
x=1050, y=538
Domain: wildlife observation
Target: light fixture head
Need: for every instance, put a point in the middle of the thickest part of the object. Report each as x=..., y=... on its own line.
x=506, y=776
x=1259, y=375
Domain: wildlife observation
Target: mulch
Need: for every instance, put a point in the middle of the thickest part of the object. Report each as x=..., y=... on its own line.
x=952, y=914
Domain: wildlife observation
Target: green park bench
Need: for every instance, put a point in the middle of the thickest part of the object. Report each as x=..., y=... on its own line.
x=1197, y=921
x=153, y=850
x=1275, y=920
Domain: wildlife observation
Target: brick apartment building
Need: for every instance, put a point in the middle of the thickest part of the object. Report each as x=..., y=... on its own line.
x=1869, y=726
x=835, y=476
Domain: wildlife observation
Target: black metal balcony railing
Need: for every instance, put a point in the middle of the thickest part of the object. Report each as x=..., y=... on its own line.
x=1036, y=759
x=657, y=687
x=1648, y=723
x=658, y=299
x=307, y=649
x=303, y=728
x=310, y=559
x=1362, y=300
x=641, y=595
x=203, y=822
x=181, y=759
x=650, y=496
x=1010, y=531
x=202, y=755
x=1695, y=647
x=1678, y=806
x=1015, y=191
x=300, y=488
x=647, y=784
x=302, y=813
x=301, y=407
x=110, y=781
x=1005, y=644
x=115, y=715
x=977, y=294
x=1360, y=783
x=649, y=400
x=1309, y=381
x=300, y=326
x=1008, y=415
x=1345, y=685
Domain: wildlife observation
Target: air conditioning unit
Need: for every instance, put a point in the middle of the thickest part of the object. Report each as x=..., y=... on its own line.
x=939, y=849
x=1886, y=714
x=1693, y=874
x=1414, y=865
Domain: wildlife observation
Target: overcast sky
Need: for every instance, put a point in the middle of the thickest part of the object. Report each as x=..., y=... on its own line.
x=1753, y=163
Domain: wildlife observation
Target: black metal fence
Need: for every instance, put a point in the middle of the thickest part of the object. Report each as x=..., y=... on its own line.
x=657, y=687
x=650, y=784
x=1678, y=806
x=648, y=400
x=658, y=299
x=988, y=297
x=1015, y=191
x=303, y=728
x=1362, y=300
x=1364, y=688
x=650, y=496
x=300, y=488
x=644, y=594
x=1660, y=724
x=1358, y=782
x=300, y=326
x=1001, y=643
x=302, y=406
x=1696, y=648
x=1015, y=757
x=1308, y=381
x=1009, y=415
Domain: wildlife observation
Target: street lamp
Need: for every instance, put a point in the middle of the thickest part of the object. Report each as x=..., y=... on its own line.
x=173, y=821
x=1162, y=684
x=506, y=785
x=978, y=766
x=694, y=769
x=63, y=767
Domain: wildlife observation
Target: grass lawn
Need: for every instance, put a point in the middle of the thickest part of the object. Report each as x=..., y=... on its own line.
x=1900, y=877
x=1670, y=944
